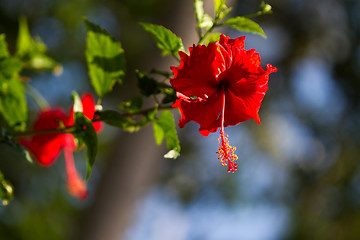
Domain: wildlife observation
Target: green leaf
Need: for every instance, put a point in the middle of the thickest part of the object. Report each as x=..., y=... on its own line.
x=12, y=95
x=9, y=66
x=24, y=41
x=3, y=47
x=85, y=133
x=165, y=40
x=9, y=141
x=159, y=133
x=13, y=103
x=244, y=24
x=105, y=59
x=32, y=51
x=148, y=86
x=151, y=114
x=167, y=124
x=116, y=119
x=112, y=118
x=221, y=10
x=124, y=121
x=212, y=38
x=6, y=190
x=219, y=6
x=204, y=21
x=134, y=105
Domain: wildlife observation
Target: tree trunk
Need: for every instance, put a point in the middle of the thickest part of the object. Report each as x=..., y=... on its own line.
x=136, y=161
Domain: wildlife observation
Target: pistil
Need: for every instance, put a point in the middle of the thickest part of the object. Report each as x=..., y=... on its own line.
x=76, y=186
x=226, y=153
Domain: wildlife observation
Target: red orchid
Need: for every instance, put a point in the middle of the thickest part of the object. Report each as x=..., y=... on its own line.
x=220, y=85
x=46, y=147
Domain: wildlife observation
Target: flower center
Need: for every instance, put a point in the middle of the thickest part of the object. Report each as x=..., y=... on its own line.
x=222, y=85
x=226, y=153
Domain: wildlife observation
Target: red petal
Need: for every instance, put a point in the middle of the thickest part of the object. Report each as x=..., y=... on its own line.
x=46, y=147
x=236, y=43
x=244, y=97
x=89, y=110
x=246, y=85
x=206, y=113
x=239, y=109
x=89, y=105
x=76, y=186
x=47, y=152
x=228, y=49
x=196, y=74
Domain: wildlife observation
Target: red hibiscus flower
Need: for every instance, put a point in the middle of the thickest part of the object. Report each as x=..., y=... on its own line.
x=88, y=110
x=220, y=85
x=46, y=147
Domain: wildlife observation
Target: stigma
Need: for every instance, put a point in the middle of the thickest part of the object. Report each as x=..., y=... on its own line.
x=226, y=153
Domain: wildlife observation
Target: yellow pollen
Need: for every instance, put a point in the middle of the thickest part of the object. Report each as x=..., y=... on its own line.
x=226, y=153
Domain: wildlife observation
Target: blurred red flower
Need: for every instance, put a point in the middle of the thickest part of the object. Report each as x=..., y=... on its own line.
x=220, y=85
x=46, y=147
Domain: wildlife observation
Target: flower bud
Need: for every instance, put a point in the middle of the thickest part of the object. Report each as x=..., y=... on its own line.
x=265, y=8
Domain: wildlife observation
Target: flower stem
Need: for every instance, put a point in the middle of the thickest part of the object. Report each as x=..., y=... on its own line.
x=203, y=37
x=258, y=13
x=69, y=129
x=57, y=130
x=142, y=112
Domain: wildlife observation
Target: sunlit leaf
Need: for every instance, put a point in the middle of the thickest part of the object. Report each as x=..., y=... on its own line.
x=9, y=66
x=219, y=6
x=213, y=38
x=105, y=59
x=32, y=51
x=167, y=124
x=204, y=21
x=24, y=41
x=221, y=10
x=165, y=40
x=244, y=24
x=158, y=133
x=12, y=96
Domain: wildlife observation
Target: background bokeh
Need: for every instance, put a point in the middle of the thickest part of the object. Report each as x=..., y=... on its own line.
x=299, y=172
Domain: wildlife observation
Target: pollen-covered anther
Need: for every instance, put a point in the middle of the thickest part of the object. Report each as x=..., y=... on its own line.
x=226, y=153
